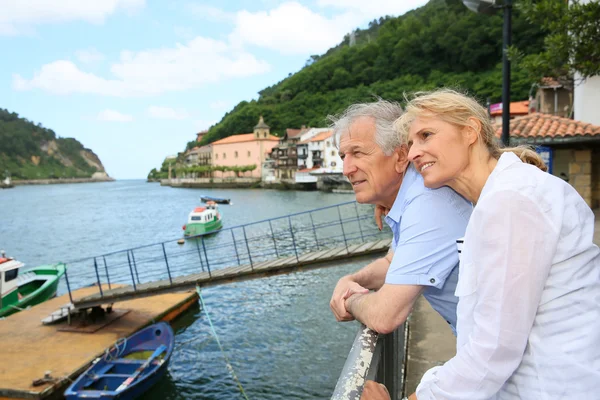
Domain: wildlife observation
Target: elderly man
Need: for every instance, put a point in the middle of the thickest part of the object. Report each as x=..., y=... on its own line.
x=423, y=257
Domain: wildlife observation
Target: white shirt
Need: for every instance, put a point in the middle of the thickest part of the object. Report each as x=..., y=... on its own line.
x=529, y=295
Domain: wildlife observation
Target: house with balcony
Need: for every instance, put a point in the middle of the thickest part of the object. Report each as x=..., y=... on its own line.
x=285, y=154
x=199, y=155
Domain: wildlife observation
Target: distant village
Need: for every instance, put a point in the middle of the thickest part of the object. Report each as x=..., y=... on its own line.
x=561, y=122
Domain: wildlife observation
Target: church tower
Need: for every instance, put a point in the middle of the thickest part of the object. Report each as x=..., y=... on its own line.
x=261, y=130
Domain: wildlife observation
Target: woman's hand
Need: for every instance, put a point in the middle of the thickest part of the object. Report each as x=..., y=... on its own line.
x=380, y=212
x=375, y=391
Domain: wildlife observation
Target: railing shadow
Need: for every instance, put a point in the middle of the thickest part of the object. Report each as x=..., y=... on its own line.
x=377, y=357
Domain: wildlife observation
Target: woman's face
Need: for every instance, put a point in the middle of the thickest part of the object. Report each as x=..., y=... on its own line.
x=438, y=149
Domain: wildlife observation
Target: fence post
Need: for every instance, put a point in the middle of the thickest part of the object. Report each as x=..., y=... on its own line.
x=248, y=248
x=314, y=230
x=293, y=238
x=235, y=246
x=274, y=242
x=134, y=265
x=68, y=286
x=358, y=222
x=106, y=269
x=391, y=363
x=167, y=263
x=199, y=254
x=131, y=270
x=206, y=257
x=98, y=277
x=343, y=231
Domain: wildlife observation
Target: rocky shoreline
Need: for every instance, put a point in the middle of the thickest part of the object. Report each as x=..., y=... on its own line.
x=59, y=181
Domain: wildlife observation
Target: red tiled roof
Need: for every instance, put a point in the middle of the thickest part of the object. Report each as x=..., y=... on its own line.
x=516, y=108
x=539, y=125
x=244, y=137
x=321, y=136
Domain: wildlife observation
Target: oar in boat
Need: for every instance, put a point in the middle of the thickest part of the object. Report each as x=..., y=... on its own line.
x=142, y=367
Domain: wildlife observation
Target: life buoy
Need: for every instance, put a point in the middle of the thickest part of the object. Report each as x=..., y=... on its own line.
x=183, y=227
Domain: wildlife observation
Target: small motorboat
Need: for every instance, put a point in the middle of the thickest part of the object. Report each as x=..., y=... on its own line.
x=129, y=368
x=218, y=200
x=203, y=220
x=21, y=288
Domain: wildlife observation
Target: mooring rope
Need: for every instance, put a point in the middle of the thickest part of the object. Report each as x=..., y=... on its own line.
x=229, y=367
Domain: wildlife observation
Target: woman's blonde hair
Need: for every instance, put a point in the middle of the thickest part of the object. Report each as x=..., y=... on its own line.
x=459, y=109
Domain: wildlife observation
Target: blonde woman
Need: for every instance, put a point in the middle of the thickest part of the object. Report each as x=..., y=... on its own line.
x=529, y=274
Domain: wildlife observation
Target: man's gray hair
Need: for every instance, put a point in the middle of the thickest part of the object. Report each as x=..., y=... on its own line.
x=383, y=112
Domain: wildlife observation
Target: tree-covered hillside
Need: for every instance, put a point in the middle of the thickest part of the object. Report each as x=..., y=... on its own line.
x=439, y=44
x=30, y=151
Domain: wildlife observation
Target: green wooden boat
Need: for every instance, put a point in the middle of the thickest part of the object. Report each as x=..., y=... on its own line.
x=203, y=220
x=22, y=288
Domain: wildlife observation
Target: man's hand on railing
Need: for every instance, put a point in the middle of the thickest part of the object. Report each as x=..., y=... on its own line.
x=375, y=391
x=345, y=288
x=380, y=212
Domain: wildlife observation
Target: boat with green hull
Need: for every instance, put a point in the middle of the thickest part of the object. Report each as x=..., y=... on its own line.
x=203, y=221
x=22, y=288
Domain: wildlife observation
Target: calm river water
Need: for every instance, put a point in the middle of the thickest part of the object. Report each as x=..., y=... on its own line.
x=278, y=333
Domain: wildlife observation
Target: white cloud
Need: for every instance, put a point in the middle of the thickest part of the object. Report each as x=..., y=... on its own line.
x=19, y=17
x=211, y=13
x=292, y=28
x=373, y=8
x=166, y=113
x=149, y=72
x=89, y=56
x=113, y=116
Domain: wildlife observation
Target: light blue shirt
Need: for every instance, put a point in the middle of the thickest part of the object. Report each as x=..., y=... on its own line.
x=426, y=223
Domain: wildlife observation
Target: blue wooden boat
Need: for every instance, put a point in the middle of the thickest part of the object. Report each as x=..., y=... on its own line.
x=218, y=200
x=129, y=368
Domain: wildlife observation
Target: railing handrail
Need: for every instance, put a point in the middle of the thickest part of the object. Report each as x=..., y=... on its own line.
x=223, y=230
x=373, y=357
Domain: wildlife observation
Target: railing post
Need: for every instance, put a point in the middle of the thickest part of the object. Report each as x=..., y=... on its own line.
x=68, y=286
x=274, y=242
x=206, y=257
x=134, y=265
x=235, y=247
x=199, y=254
x=293, y=238
x=167, y=263
x=106, y=269
x=131, y=270
x=389, y=371
x=358, y=222
x=314, y=230
x=98, y=277
x=248, y=248
x=343, y=231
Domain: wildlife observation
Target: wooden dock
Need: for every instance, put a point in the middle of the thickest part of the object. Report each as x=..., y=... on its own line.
x=283, y=265
x=31, y=349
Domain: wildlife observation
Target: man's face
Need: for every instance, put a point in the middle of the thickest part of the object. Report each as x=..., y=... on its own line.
x=374, y=176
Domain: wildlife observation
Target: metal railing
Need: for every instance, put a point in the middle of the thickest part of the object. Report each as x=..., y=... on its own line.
x=249, y=244
x=373, y=357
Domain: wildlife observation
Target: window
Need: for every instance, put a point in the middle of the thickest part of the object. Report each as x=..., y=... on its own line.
x=235, y=154
x=327, y=143
x=333, y=153
x=333, y=163
x=216, y=156
x=197, y=218
x=224, y=156
x=10, y=275
x=249, y=154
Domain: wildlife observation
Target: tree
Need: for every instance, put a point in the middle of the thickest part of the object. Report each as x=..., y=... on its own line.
x=572, y=41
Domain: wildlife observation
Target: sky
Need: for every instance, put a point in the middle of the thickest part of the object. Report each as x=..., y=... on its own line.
x=134, y=80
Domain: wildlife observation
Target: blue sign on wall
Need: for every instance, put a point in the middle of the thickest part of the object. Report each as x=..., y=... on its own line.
x=546, y=153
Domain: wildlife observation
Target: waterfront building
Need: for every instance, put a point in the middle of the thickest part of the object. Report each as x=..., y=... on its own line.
x=319, y=156
x=245, y=149
x=199, y=155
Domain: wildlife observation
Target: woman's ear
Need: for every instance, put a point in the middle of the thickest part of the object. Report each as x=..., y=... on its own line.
x=401, y=159
x=473, y=130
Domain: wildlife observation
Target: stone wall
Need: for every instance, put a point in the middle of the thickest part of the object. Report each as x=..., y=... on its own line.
x=596, y=178
x=580, y=173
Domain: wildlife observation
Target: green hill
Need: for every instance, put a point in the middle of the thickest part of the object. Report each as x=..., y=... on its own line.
x=30, y=151
x=439, y=44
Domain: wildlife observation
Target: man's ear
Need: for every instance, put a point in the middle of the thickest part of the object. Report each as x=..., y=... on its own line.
x=401, y=154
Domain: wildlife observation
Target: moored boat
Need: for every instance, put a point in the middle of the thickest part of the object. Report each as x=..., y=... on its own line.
x=21, y=288
x=203, y=220
x=218, y=200
x=129, y=368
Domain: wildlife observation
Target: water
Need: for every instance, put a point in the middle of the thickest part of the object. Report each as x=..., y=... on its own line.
x=278, y=333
